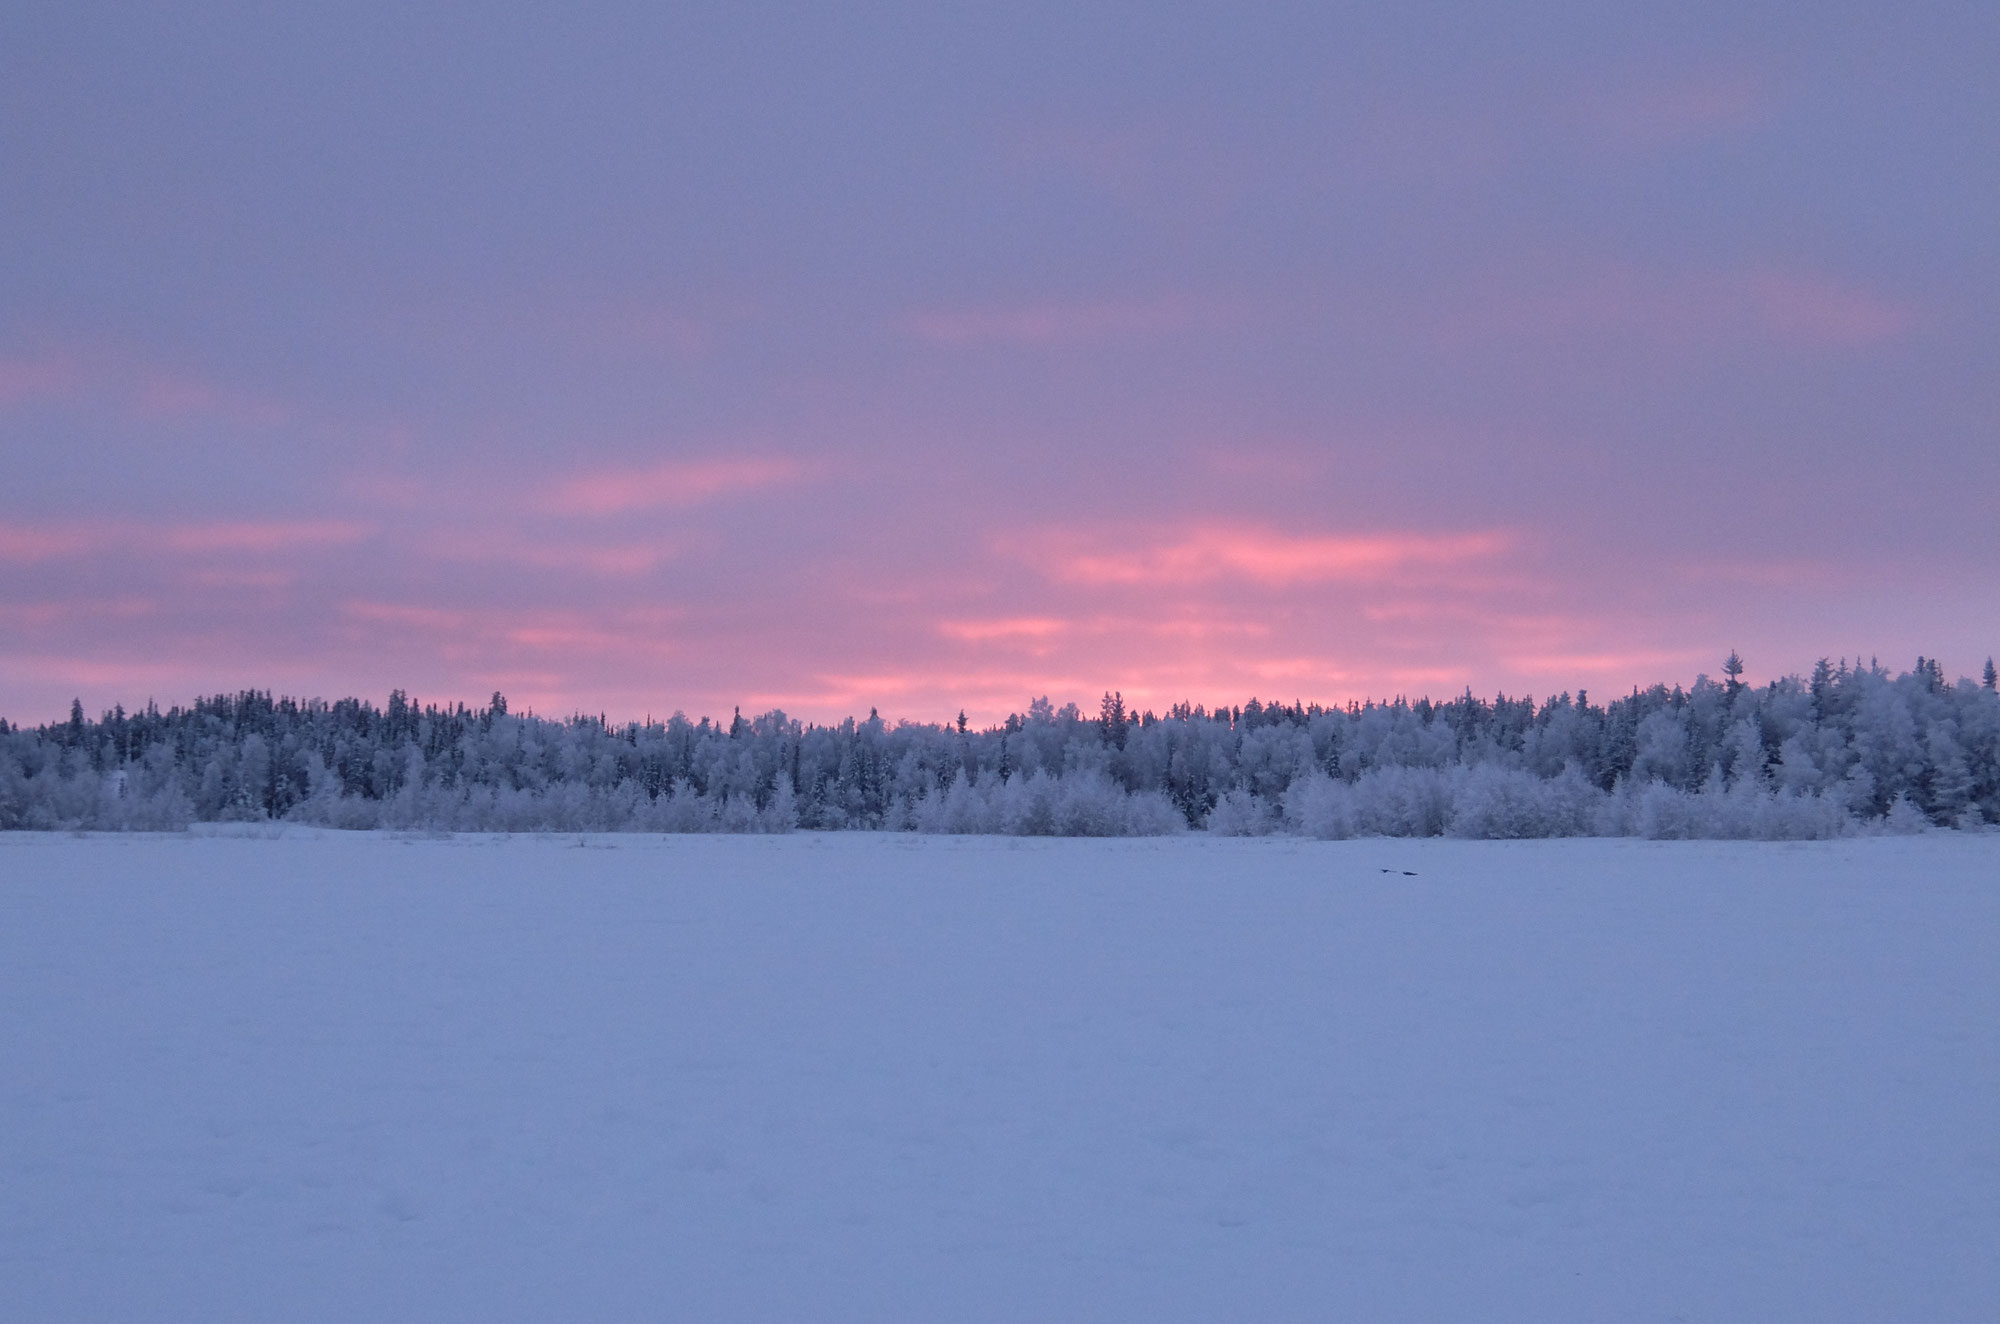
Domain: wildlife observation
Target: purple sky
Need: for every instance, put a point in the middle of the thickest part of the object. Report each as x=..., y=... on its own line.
x=927, y=357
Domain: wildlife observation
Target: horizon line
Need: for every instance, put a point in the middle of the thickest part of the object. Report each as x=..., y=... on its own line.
x=501, y=708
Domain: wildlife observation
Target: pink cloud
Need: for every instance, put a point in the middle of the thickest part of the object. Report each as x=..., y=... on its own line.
x=1660, y=662
x=267, y=580
x=621, y=560
x=567, y=637
x=673, y=484
x=1213, y=553
x=499, y=636
x=1323, y=674
x=1319, y=672
x=1211, y=625
x=67, y=672
x=1448, y=614
x=115, y=379
x=1814, y=312
x=617, y=561
x=41, y=615
x=30, y=543
x=263, y=535
x=1059, y=323
x=1015, y=627
x=391, y=613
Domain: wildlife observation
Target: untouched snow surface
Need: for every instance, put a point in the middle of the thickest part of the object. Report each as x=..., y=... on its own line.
x=342, y=1077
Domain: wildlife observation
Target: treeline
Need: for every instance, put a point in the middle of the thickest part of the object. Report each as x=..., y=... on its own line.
x=1844, y=749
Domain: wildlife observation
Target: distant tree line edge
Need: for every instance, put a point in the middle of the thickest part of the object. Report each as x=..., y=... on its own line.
x=1847, y=749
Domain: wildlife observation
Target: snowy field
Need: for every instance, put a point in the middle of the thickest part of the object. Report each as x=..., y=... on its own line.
x=854, y=1077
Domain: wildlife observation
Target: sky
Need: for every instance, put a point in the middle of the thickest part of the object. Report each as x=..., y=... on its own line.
x=628, y=358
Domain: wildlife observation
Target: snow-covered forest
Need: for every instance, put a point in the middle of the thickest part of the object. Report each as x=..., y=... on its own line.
x=1846, y=749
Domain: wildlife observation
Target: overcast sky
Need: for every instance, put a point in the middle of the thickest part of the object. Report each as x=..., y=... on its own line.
x=633, y=358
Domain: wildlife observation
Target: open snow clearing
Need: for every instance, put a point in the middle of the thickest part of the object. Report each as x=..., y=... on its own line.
x=331, y=1076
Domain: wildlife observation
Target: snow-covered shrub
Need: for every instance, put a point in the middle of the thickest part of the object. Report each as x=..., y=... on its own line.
x=1403, y=802
x=1151, y=814
x=1086, y=803
x=1383, y=802
x=959, y=808
x=1317, y=805
x=1904, y=818
x=1489, y=801
x=1742, y=812
x=1241, y=814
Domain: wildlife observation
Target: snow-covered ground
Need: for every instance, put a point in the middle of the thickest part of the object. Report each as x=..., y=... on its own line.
x=344, y=1077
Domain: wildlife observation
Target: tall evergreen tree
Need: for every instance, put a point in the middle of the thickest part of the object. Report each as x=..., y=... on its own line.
x=1111, y=719
x=1821, y=685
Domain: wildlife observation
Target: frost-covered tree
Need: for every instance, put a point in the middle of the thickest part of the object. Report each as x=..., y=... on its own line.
x=1732, y=671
